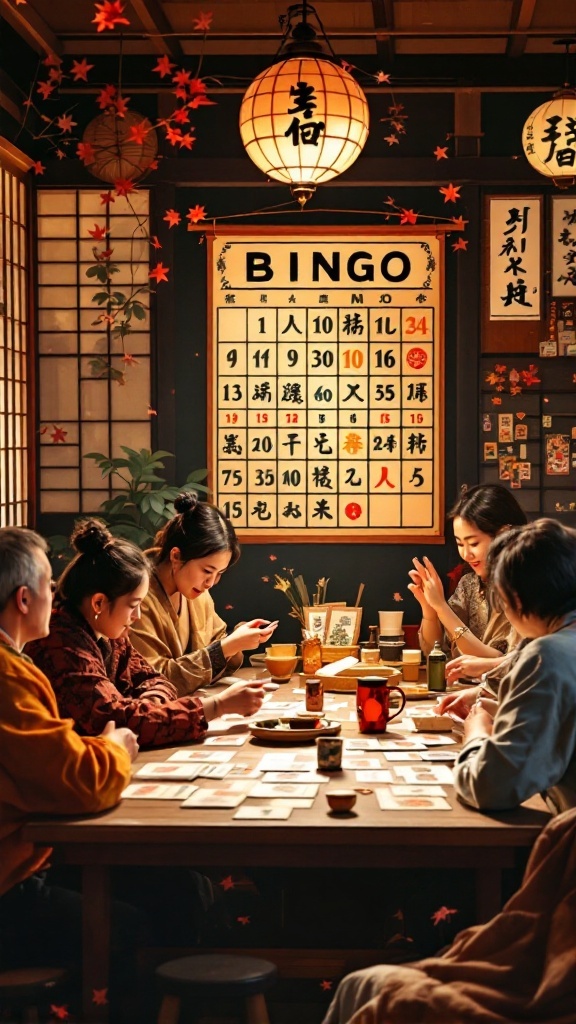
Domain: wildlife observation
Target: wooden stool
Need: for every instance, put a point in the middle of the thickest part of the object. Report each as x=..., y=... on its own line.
x=232, y=977
x=23, y=989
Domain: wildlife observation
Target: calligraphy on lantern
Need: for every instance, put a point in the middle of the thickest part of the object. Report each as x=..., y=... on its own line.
x=515, y=258
x=325, y=398
x=563, y=245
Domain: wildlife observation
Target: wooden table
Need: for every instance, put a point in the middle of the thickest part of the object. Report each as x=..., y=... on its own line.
x=160, y=832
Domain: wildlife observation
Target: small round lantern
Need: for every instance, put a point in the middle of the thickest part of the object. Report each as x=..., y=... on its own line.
x=303, y=121
x=116, y=154
x=549, y=138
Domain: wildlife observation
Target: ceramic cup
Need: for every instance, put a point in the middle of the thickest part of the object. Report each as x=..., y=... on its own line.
x=341, y=800
x=390, y=623
x=411, y=660
x=281, y=650
x=281, y=668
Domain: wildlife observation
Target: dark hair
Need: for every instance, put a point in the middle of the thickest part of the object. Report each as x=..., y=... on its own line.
x=489, y=507
x=104, y=564
x=198, y=529
x=534, y=567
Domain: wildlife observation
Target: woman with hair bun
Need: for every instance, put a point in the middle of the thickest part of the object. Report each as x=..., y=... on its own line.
x=179, y=632
x=95, y=671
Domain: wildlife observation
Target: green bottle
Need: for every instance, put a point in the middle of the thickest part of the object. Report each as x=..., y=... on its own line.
x=436, y=666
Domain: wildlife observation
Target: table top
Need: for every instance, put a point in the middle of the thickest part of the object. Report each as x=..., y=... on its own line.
x=308, y=835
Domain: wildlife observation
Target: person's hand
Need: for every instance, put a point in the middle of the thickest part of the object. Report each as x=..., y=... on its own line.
x=478, y=724
x=430, y=585
x=417, y=589
x=124, y=738
x=248, y=636
x=243, y=698
x=458, y=704
x=467, y=666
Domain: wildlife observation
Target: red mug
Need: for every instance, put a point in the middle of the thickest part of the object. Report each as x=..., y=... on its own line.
x=373, y=704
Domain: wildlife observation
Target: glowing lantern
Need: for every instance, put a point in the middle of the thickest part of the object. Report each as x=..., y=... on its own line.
x=116, y=153
x=549, y=138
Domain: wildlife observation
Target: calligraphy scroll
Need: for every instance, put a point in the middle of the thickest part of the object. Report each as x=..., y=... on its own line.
x=515, y=258
x=564, y=245
x=325, y=391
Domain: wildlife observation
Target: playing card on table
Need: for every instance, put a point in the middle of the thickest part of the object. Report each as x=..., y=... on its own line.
x=294, y=777
x=439, y=755
x=425, y=773
x=243, y=771
x=296, y=789
x=433, y=739
x=377, y=775
x=368, y=743
x=200, y=754
x=214, y=771
x=356, y=761
x=262, y=813
x=406, y=790
x=287, y=762
x=163, y=770
x=400, y=744
x=158, y=791
x=226, y=741
x=403, y=755
x=388, y=802
x=214, y=798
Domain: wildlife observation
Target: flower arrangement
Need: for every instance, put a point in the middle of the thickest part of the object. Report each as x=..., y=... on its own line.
x=297, y=593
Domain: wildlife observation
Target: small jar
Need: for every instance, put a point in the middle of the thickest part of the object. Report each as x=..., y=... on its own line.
x=311, y=655
x=314, y=695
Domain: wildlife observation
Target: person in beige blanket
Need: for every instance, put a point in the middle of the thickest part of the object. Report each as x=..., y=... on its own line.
x=179, y=632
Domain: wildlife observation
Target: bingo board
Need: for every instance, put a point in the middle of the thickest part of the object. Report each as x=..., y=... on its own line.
x=325, y=396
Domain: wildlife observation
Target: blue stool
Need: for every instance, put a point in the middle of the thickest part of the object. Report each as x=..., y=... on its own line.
x=22, y=989
x=224, y=976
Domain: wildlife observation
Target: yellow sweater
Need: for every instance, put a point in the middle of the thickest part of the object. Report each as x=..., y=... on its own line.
x=45, y=767
x=157, y=638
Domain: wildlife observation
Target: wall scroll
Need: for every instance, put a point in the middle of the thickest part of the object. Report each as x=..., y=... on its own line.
x=564, y=245
x=515, y=258
x=325, y=397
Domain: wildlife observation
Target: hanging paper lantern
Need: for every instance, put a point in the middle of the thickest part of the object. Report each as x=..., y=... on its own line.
x=117, y=153
x=549, y=138
x=303, y=121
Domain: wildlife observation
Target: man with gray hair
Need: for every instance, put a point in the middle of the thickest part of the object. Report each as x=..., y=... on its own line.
x=45, y=767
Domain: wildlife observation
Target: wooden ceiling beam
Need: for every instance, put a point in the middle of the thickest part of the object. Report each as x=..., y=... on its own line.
x=28, y=24
x=383, y=15
x=158, y=27
x=520, y=19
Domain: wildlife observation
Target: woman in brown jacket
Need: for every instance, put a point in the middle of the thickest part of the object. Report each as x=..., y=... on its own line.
x=179, y=632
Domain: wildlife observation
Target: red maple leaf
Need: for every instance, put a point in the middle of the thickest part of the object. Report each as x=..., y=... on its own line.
x=38, y=167
x=124, y=186
x=85, y=152
x=109, y=14
x=60, y=154
x=273, y=558
x=530, y=376
x=408, y=216
x=460, y=244
x=45, y=89
x=180, y=93
x=173, y=135
x=397, y=596
x=443, y=914
x=151, y=411
x=59, y=437
x=55, y=76
x=129, y=359
x=103, y=255
x=500, y=367
x=106, y=198
x=65, y=123
x=243, y=920
x=97, y=233
x=172, y=217
x=181, y=77
x=382, y=78
x=80, y=69
x=228, y=607
x=164, y=66
x=100, y=996
x=52, y=61
x=441, y=152
x=121, y=104
x=203, y=22
x=60, y=1012
x=187, y=141
x=326, y=985
x=196, y=213
x=180, y=115
x=265, y=579
x=196, y=85
x=201, y=100
x=227, y=883
x=138, y=133
x=451, y=193
x=159, y=273
x=106, y=96
x=154, y=241
x=459, y=223
x=496, y=400
x=392, y=139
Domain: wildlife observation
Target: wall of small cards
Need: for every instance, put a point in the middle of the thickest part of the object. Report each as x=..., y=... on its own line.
x=528, y=430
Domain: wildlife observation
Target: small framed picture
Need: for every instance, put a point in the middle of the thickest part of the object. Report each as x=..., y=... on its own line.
x=316, y=619
x=343, y=626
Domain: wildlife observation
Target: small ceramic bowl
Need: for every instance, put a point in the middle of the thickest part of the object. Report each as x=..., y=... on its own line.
x=341, y=800
x=281, y=650
x=281, y=669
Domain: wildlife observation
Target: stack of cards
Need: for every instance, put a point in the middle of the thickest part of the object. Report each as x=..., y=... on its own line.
x=387, y=801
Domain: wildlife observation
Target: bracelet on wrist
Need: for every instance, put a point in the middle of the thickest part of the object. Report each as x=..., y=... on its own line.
x=460, y=632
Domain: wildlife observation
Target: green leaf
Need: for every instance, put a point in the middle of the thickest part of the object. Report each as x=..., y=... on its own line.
x=92, y=272
x=139, y=311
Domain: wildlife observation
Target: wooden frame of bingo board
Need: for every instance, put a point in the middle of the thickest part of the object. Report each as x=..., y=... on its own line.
x=334, y=281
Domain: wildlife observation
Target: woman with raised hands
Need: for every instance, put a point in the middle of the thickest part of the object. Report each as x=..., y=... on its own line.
x=179, y=631
x=96, y=673
x=469, y=622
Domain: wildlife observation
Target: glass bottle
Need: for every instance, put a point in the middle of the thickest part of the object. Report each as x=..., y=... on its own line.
x=311, y=653
x=436, y=669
